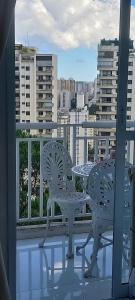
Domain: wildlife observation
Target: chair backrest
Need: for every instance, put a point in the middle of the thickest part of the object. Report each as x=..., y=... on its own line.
x=56, y=166
x=101, y=183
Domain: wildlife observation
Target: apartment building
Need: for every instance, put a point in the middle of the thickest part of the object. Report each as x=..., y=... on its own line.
x=107, y=65
x=64, y=99
x=35, y=86
x=77, y=117
x=66, y=84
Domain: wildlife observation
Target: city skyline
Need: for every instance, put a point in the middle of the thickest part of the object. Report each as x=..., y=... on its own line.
x=72, y=31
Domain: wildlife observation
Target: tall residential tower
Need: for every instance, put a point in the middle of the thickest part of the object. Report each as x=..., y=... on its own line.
x=36, y=85
x=108, y=51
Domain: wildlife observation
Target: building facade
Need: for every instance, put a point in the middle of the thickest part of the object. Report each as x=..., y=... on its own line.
x=107, y=65
x=36, y=86
x=66, y=84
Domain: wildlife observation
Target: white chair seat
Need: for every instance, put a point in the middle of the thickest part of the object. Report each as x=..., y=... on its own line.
x=71, y=198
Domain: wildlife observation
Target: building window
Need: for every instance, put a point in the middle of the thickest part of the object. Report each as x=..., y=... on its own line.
x=105, y=133
x=27, y=77
x=40, y=68
x=130, y=73
x=40, y=96
x=23, y=67
x=40, y=113
x=106, y=100
x=17, y=112
x=17, y=95
x=106, y=108
x=28, y=104
x=27, y=86
x=40, y=86
x=130, y=63
x=105, y=64
x=23, y=112
x=23, y=76
x=128, y=117
x=129, y=91
x=48, y=69
x=106, y=82
x=27, y=68
x=107, y=73
x=27, y=95
x=23, y=85
x=16, y=68
x=23, y=94
x=17, y=104
x=106, y=91
x=105, y=54
x=27, y=121
x=129, y=81
x=23, y=103
x=128, y=108
x=40, y=78
x=17, y=77
x=23, y=121
x=129, y=100
x=27, y=113
x=102, y=151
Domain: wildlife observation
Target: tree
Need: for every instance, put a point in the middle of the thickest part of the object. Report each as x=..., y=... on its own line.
x=35, y=175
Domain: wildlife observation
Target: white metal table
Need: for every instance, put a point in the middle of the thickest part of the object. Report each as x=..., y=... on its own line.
x=83, y=171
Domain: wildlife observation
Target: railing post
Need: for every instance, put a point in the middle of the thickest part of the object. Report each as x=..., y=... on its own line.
x=128, y=151
x=74, y=145
x=85, y=150
x=107, y=148
x=65, y=137
x=41, y=182
x=17, y=180
x=96, y=150
x=29, y=179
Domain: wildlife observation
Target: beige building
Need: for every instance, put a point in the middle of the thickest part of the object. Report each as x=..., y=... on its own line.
x=35, y=86
x=108, y=51
x=66, y=84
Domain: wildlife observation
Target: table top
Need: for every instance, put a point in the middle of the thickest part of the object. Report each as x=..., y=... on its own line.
x=84, y=169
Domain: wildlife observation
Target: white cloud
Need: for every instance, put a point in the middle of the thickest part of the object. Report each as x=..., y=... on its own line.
x=69, y=23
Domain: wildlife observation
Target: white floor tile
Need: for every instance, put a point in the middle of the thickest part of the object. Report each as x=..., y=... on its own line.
x=47, y=274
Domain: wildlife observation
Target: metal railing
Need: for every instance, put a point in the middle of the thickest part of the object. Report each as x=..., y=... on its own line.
x=31, y=194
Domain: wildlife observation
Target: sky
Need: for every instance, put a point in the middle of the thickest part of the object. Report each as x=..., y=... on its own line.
x=71, y=29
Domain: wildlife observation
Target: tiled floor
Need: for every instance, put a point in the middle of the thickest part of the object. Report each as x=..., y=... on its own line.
x=47, y=274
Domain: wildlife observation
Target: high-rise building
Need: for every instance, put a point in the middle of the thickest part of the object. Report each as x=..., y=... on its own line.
x=108, y=51
x=66, y=84
x=77, y=117
x=35, y=86
x=64, y=99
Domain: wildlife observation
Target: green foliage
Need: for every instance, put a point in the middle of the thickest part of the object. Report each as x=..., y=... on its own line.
x=92, y=109
x=35, y=178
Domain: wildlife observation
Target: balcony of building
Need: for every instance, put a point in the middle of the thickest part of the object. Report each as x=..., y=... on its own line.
x=46, y=273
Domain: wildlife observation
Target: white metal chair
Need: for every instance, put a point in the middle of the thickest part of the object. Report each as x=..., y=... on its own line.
x=100, y=188
x=56, y=170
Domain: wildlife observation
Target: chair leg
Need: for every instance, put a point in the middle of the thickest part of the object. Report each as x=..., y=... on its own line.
x=85, y=243
x=70, y=253
x=96, y=247
x=41, y=244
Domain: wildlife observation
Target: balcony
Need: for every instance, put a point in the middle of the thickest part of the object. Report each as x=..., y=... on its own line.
x=46, y=272
x=70, y=139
